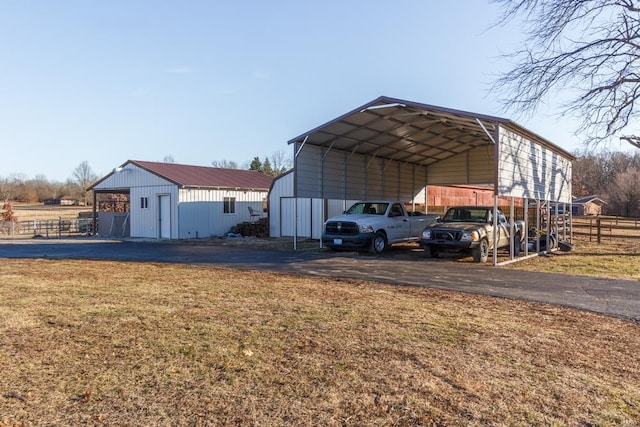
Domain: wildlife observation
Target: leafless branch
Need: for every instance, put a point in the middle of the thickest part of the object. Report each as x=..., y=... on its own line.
x=633, y=140
x=588, y=50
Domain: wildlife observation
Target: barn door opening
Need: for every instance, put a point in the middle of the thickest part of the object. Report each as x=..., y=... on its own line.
x=164, y=216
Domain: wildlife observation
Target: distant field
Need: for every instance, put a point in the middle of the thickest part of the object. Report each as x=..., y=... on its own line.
x=30, y=212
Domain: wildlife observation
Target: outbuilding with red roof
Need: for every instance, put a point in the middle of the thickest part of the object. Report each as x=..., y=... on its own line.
x=174, y=201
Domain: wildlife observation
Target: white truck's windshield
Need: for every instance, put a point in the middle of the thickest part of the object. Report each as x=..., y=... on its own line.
x=370, y=208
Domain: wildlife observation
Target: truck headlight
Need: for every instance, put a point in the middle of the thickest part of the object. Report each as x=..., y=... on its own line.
x=366, y=229
x=470, y=236
x=426, y=234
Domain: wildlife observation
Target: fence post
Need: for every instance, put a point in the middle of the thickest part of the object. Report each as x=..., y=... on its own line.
x=599, y=230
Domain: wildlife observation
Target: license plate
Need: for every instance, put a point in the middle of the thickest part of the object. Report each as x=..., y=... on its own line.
x=337, y=241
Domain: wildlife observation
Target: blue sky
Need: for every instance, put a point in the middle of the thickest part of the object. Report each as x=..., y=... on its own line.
x=108, y=81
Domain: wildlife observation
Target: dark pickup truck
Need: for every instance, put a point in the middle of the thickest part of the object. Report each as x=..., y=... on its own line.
x=469, y=229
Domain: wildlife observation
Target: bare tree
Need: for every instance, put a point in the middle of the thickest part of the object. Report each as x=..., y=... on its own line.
x=43, y=188
x=587, y=175
x=626, y=192
x=83, y=177
x=226, y=164
x=280, y=162
x=586, y=50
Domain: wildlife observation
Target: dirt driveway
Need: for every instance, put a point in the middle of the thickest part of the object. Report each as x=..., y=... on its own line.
x=402, y=266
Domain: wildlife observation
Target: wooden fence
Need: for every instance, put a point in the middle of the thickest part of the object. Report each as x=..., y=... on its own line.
x=606, y=227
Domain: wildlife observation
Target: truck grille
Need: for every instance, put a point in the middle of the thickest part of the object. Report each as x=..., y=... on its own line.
x=338, y=227
x=446, y=235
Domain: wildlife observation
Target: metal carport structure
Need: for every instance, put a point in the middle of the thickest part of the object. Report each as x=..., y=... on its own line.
x=393, y=149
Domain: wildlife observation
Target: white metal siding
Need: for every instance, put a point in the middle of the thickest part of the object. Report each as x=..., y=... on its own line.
x=310, y=216
x=282, y=187
x=287, y=216
x=528, y=169
x=303, y=210
x=201, y=211
x=144, y=221
x=336, y=207
x=132, y=177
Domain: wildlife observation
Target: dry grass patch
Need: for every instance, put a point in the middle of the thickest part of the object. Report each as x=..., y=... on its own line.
x=617, y=259
x=153, y=344
x=41, y=212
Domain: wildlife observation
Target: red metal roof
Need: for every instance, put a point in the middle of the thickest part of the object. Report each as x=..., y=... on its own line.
x=203, y=176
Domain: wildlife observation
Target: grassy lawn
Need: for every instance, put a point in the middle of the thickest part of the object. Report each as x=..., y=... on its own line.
x=612, y=258
x=106, y=343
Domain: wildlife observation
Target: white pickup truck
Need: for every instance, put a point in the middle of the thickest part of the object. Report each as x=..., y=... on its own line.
x=374, y=225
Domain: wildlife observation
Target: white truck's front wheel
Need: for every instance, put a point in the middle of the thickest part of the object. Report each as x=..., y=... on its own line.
x=379, y=243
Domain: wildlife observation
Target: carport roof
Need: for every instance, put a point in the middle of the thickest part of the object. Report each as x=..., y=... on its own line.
x=411, y=132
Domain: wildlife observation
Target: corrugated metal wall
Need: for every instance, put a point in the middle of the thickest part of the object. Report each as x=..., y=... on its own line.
x=309, y=211
x=145, y=221
x=305, y=210
x=530, y=170
x=307, y=214
x=201, y=211
x=282, y=187
x=342, y=175
x=472, y=167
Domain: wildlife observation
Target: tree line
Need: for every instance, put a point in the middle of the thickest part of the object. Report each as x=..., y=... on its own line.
x=19, y=188
x=613, y=177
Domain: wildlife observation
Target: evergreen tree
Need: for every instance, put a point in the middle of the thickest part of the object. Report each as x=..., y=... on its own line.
x=266, y=167
x=256, y=164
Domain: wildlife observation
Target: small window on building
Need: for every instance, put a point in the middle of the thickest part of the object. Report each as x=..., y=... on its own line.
x=229, y=205
x=144, y=202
